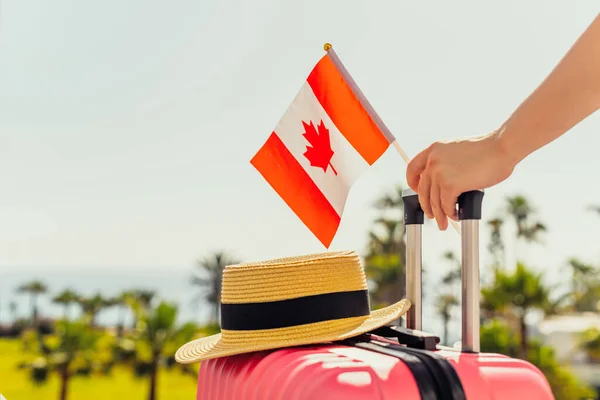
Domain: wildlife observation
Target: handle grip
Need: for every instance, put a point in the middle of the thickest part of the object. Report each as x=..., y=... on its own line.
x=469, y=214
x=469, y=206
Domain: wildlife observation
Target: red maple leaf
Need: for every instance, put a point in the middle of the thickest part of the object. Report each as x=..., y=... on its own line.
x=320, y=153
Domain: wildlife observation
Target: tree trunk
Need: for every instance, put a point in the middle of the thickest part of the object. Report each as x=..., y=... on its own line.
x=524, y=343
x=13, y=312
x=446, y=321
x=120, y=322
x=34, y=311
x=64, y=381
x=153, y=377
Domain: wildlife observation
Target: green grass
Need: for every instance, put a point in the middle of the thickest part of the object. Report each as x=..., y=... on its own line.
x=121, y=384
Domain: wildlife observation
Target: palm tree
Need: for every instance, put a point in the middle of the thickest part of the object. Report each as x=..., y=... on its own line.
x=12, y=306
x=160, y=335
x=522, y=212
x=445, y=303
x=110, y=302
x=144, y=297
x=596, y=209
x=75, y=339
x=390, y=200
x=140, y=302
x=519, y=291
x=455, y=272
x=447, y=300
x=384, y=263
x=386, y=250
x=209, y=277
x=585, y=288
x=581, y=273
x=66, y=298
x=74, y=344
x=589, y=341
x=91, y=306
x=391, y=207
x=34, y=289
x=496, y=245
x=120, y=301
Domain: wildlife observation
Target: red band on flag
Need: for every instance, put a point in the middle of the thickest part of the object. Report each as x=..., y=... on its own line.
x=283, y=172
x=346, y=111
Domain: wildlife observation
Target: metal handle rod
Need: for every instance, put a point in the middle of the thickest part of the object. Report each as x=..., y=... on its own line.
x=470, y=285
x=469, y=214
x=414, y=276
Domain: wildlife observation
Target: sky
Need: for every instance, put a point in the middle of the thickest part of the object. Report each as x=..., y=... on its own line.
x=126, y=128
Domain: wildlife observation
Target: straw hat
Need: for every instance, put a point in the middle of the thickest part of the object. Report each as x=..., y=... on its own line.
x=290, y=302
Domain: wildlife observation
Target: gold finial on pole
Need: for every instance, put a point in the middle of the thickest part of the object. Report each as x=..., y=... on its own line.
x=327, y=46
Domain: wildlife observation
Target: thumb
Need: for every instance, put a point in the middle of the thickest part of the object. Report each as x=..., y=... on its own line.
x=415, y=168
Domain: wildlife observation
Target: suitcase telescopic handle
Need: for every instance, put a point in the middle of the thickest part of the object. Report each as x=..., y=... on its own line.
x=469, y=214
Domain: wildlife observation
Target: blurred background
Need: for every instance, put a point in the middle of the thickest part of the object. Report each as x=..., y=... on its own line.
x=126, y=130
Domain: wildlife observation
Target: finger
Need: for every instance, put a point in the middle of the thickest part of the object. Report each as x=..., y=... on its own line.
x=449, y=200
x=416, y=183
x=424, y=190
x=415, y=168
x=436, y=206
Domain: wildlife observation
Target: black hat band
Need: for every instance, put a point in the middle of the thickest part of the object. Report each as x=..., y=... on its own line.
x=293, y=312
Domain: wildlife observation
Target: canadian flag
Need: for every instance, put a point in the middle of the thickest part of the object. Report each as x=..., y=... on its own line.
x=326, y=138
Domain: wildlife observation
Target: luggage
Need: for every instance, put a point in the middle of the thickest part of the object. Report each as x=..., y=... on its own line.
x=391, y=362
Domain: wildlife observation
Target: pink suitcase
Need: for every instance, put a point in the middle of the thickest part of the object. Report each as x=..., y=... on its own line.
x=390, y=362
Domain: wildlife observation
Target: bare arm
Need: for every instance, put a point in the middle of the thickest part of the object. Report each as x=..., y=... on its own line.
x=567, y=96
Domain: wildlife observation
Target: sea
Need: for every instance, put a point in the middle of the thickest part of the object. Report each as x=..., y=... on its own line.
x=172, y=285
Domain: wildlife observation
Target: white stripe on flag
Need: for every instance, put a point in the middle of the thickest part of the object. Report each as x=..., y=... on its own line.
x=346, y=161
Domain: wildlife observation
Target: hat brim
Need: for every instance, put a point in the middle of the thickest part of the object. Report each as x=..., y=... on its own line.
x=250, y=341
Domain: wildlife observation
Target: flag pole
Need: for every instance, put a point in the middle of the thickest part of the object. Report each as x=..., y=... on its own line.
x=378, y=121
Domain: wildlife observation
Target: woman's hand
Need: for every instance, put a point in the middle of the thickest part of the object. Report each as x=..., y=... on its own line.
x=440, y=173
